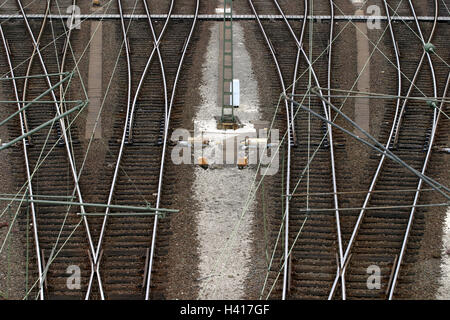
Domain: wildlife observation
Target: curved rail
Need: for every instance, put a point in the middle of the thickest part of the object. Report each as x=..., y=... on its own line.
x=65, y=50
x=327, y=112
x=392, y=137
x=96, y=253
x=297, y=61
x=166, y=132
x=436, y=116
x=416, y=197
x=61, y=123
x=127, y=54
x=27, y=166
x=335, y=195
x=147, y=66
x=288, y=166
x=30, y=63
x=416, y=74
x=62, y=109
x=126, y=136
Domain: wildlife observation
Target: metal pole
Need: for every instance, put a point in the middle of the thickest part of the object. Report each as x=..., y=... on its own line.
x=378, y=146
x=86, y=204
x=36, y=100
x=45, y=124
x=34, y=76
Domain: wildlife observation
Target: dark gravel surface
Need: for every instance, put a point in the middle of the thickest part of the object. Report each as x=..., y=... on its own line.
x=182, y=259
x=12, y=258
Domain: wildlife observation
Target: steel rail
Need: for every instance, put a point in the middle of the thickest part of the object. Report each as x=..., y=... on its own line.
x=30, y=63
x=416, y=74
x=327, y=112
x=96, y=255
x=297, y=61
x=147, y=66
x=65, y=50
x=391, y=138
x=148, y=272
x=335, y=191
x=129, y=88
x=62, y=109
x=430, y=62
x=436, y=116
x=416, y=197
x=288, y=171
x=300, y=46
x=290, y=125
x=127, y=129
x=62, y=124
x=383, y=157
x=27, y=166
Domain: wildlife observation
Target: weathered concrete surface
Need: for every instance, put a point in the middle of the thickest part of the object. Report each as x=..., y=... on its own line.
x=362, y=105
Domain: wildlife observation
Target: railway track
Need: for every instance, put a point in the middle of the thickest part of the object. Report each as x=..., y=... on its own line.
x=380, y=237
x=57, y=175
x=330, y=250
x=342, y=245
x=122, y=252
x=302, y=134
x=128, y=253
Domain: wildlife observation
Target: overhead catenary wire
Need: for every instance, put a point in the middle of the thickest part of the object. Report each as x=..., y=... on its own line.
x=377, y=146
x=44, y=159
x=250, y=193
x=148, y=272
x=292, y=121
x=39, y=161
x=97, y=250
x=255, y=185
x=27, y=167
